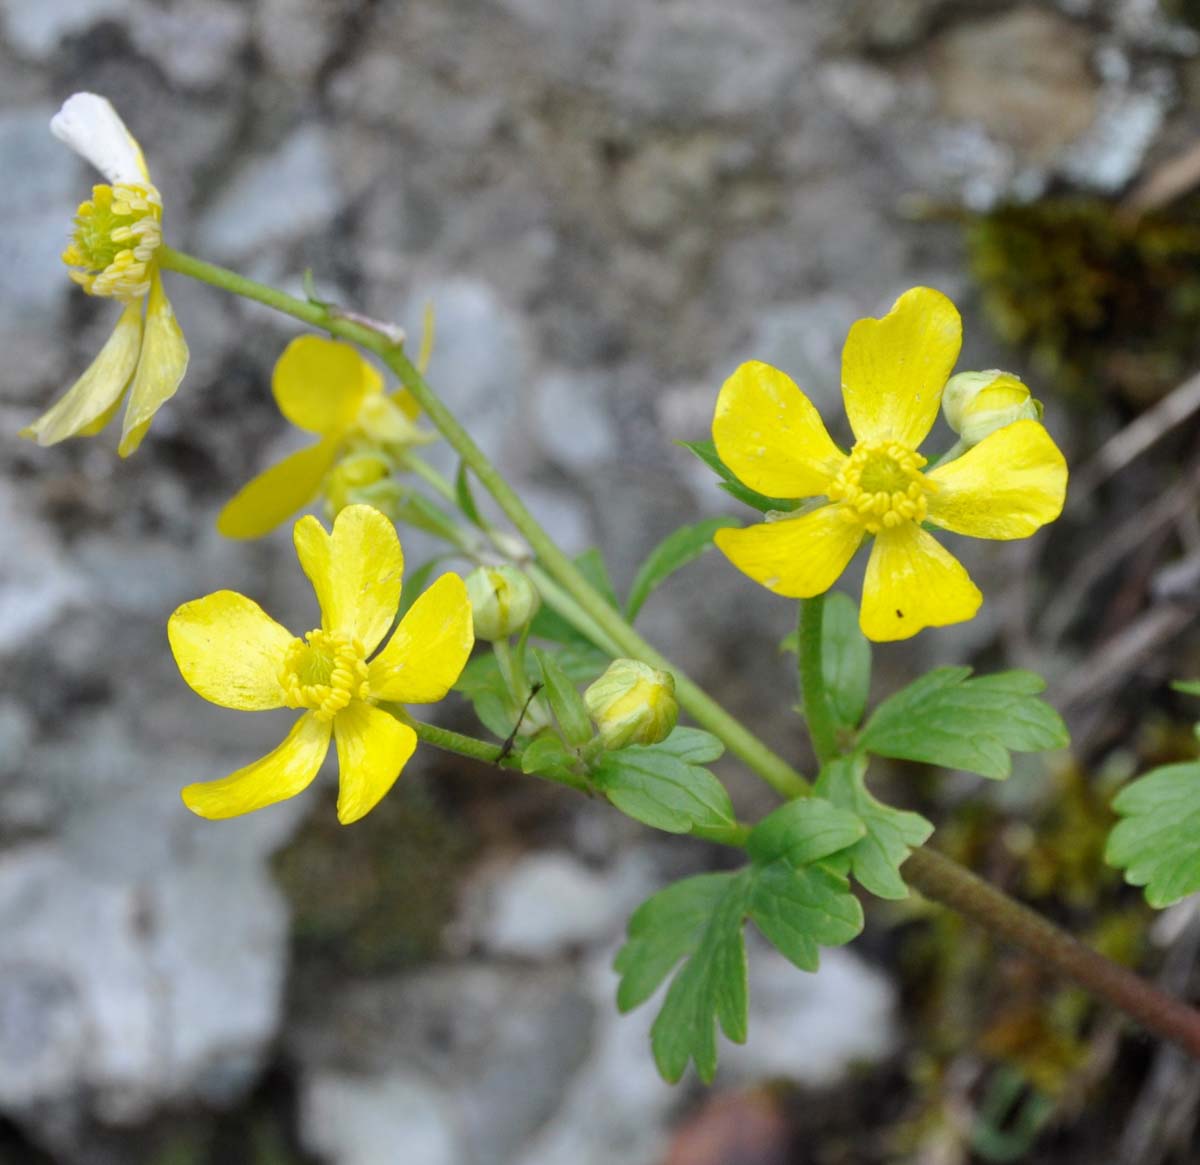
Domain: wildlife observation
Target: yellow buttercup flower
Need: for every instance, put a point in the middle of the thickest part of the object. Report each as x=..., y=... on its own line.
x=893, y=371
x=235, y=655
x=113, y=253
x=327, y=388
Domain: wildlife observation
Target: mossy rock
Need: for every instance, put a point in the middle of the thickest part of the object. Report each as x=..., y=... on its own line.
x=375, y=896
x=1104, y=303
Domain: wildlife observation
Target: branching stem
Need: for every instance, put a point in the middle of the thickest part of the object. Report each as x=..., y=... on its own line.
x=934, y=875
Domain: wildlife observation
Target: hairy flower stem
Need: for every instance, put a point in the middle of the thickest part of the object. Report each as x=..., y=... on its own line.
x=493, y=754
x=943, y=880
x=935, y=876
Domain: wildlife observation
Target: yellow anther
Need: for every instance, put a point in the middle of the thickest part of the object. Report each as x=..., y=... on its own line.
x=324, y=672
x=881, y=485
x=116, y=235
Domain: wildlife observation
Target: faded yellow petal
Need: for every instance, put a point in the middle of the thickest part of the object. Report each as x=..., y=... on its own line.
x=372, y=748
x=894, y=369
x=230, y=650
x=161, y=367
x=278, y=492
x=795, y=557
x=429, y=649
x=1009, y=485
x=281, y=774
x=770, y=434
x=320, y=384
x=356, y=572
x=913, y=582
x=96, y=394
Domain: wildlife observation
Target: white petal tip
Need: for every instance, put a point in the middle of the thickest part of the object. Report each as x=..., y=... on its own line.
x=90, y=126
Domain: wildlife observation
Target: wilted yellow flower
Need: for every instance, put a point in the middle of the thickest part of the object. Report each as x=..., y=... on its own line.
x=234, y=654
x=632, y=703
x=327, y=388
x=112, y=253
x=893, y=371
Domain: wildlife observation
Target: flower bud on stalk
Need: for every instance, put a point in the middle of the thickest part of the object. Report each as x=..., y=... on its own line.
x=503, y=601
x=632, y=703
x=978, y=403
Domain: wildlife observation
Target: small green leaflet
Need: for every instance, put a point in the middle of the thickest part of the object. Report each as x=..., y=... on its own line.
x=592, y=566
x=675, y=551
x=663, y=791
x=1157, y=842
x=547, y=754
x=891, y=834
x=707, y=452
x=464, y=496
x=482, y=684
x=798, y=908
x=565, y=701
x=946, y=718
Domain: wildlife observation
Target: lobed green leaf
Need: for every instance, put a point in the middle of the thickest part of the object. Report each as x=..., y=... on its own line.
x=946, y=718
x=891, y=834
x=1157, y=842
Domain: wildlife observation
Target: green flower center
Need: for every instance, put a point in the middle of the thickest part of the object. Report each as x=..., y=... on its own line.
x=324, y=671
x=881, y=485
x=116, y=234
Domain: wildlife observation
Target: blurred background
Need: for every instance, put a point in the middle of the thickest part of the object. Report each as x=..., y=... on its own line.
x=610, y=205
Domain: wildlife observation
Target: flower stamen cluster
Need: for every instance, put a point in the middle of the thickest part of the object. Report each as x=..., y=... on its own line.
x=881, y=485
x=116, y=235
x=324, y=672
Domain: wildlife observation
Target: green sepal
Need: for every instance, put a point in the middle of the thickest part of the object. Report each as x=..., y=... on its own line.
x=565, y=701
x=706, y=451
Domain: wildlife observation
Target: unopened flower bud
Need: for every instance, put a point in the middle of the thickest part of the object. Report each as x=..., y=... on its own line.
x=503, y=600
x=978, y=403
x=362, y=478
x=632, y=703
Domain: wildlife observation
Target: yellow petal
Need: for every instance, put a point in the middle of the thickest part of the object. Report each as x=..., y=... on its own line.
x=429, y=649
x=372, y=748
x=913, y=582
x=794, y=557
x=355, y=571
x=320, y=384
x=406, y=403
x=1010, y=484
x=894, y=369
x=163, y=362
x=94, y=396
x=229, y=650
x=277, y=493
x=281, y=774
x=770, y=434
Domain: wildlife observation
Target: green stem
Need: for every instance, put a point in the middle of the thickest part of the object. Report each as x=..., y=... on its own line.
x=821, y=726
x=776, y=771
